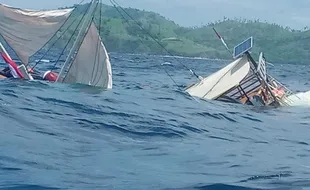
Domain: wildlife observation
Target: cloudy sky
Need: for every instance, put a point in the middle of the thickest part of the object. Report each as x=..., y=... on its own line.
x=292, y=13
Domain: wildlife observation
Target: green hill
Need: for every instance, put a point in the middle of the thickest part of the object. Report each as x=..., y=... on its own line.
x=122, y=34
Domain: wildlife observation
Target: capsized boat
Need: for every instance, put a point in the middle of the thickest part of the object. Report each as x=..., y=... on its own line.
x=71, y=30
x=243, y=81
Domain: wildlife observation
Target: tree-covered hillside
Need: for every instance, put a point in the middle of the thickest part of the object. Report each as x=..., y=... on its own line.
x=122, y=34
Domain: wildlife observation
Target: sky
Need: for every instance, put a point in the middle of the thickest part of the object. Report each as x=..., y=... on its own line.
x=291, y=13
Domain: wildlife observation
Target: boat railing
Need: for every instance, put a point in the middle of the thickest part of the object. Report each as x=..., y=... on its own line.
x=285, y=100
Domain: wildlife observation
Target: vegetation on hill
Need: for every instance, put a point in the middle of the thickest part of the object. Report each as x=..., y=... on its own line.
x=120, y=33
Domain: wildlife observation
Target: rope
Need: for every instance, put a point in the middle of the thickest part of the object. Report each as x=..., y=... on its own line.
x=54, y=36
x=142, y=42
x=97, y=58
x=54, y=44
x=88, y=27
x=115, y=3
x=54, y=67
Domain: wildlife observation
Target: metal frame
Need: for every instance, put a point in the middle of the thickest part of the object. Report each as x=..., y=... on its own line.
x=255, y=81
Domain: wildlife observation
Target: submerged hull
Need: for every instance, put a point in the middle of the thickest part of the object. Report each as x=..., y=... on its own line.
x=241, y=82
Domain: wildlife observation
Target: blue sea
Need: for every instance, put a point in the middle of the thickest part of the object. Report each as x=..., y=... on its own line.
x=146, y=133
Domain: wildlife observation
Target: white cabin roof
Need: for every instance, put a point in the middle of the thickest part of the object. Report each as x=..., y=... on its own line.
x=221, y=81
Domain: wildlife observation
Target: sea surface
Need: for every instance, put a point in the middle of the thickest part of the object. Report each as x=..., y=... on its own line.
x=146, y=133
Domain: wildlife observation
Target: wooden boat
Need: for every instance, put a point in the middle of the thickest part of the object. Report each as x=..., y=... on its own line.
x=243, y=81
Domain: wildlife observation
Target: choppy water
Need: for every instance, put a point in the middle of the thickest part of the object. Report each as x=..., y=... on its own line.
x=146, y=134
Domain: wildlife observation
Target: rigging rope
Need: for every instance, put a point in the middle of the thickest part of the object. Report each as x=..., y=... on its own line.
x=115, y=3
x=170, y=76
x=54, y=43
x=76, y=28
x=39, y=60
x=98, y=44
x=88, y=27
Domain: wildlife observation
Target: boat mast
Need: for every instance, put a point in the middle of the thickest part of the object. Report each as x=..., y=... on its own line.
x=79, y=39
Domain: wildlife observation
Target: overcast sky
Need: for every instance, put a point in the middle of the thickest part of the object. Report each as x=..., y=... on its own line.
x=292, y=13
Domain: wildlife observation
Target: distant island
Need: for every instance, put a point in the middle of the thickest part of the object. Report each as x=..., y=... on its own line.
x=121, y=34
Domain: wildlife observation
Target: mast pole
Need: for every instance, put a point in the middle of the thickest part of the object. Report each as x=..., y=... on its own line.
x=80, y=35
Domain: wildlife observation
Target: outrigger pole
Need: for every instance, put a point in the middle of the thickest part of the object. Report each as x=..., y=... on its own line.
x=3, y=50
x=17, y=71
x=12, y=65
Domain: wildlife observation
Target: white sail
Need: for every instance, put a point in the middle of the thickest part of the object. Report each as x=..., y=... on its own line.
x=91, y=65
x=26, y=31
x=218, y=83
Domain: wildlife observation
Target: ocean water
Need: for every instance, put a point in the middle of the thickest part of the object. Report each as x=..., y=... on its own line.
x=146, y=133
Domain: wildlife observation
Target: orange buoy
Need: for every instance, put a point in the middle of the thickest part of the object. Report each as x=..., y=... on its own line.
x=50, y=76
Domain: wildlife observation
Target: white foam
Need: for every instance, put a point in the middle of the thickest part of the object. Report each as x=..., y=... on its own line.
x=300, y=99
